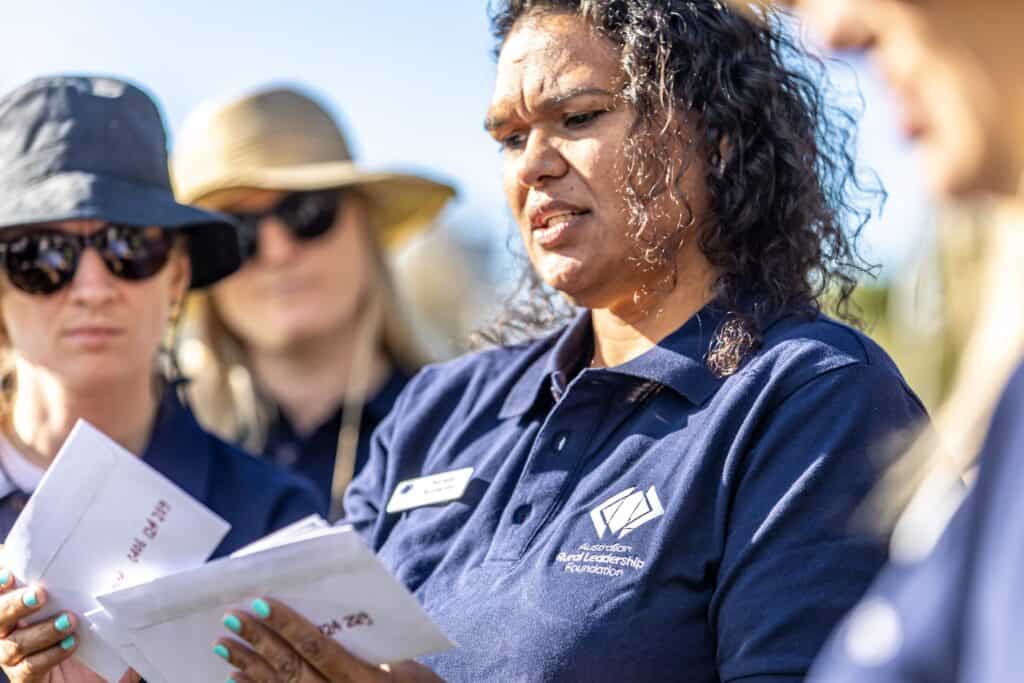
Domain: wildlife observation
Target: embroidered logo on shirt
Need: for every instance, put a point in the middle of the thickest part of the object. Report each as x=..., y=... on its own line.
x=624, y=512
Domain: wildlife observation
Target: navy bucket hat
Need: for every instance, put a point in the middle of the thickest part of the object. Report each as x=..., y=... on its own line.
x=84, y=147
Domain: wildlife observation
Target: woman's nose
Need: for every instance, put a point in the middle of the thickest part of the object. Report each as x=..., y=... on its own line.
x=539, y=161
x=93, y=281
x=276, y=243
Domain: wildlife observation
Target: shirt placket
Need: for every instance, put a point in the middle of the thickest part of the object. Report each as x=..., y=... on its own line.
x=565, y=441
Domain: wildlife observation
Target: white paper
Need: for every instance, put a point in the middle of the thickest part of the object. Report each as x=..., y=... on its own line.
x=166, y=628
x=103, y=519
x=306, y=527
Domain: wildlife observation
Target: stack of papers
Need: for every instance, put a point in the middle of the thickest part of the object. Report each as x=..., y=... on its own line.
x=113, y=540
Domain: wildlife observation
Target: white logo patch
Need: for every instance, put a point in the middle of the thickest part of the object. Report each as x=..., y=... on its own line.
x=624, y=512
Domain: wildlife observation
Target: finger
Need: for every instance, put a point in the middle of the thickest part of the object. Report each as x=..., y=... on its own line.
x=325, y=654
x=19, y=604
x=281, y=657
x=275, y=652
x=240, y=677
x=241, y=657
x=38, y=665
x=131, y=676
x=25, y=642
x=6, y=579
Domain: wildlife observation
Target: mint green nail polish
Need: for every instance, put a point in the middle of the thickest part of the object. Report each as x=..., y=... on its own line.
x=230, y=680
x=260, y=607
x=63, y=623
x=233, y=623
x=5, y=576
x=222, y=652
x=67, y=643
x=30, y=599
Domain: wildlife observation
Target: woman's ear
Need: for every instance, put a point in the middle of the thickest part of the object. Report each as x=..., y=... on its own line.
x=181, y=274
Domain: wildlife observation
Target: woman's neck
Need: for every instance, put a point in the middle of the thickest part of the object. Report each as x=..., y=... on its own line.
x=634, y=326
x=44, y=412
x=308, y=381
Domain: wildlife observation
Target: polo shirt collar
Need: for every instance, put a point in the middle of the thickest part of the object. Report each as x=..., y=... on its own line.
x=565, y=353
x=178, y=447
x=677, y=362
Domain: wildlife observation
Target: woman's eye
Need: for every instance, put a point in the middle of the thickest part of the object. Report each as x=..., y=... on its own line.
x=514, y=141
x=581, y=120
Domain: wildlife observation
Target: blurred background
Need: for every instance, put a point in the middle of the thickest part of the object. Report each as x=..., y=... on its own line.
x=411, y=81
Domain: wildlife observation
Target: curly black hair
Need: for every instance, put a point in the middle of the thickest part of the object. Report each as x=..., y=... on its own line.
x=786, y=202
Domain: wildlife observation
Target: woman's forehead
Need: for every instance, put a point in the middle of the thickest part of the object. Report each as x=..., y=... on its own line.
x=549, y=56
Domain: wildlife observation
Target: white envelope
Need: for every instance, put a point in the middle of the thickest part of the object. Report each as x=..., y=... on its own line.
x=103, y=519
x=166, y=628
x=306, y=527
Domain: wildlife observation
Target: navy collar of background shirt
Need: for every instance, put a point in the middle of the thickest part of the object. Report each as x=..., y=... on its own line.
x=176, y=449
x=374, y=410
x=678, y=362
x=178, y=446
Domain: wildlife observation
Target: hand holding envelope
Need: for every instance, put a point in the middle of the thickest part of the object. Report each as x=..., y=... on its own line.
x=108, y=537
x=102, y=518
x=286, y=646
x=165, y=628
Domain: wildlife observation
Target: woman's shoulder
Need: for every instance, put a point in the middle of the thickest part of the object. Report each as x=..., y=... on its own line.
x=236, y=467
x=797, y=349
x=484, y=366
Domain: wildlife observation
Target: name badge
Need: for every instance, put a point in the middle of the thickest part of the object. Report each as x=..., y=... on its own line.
x=430, y=490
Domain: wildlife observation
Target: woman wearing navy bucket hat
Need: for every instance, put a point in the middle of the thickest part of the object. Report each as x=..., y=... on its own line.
x=96, y=257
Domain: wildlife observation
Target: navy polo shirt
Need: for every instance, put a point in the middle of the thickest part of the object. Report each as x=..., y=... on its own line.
x=958, y=615
x=644, y=522
x=255, y=497
x=312, y=455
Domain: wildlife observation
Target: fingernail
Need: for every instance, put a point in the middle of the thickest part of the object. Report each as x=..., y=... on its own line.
x=63, y=623
x=30, y=599
x=67, y=643
x=230, y=680
x=260, y=607
x=222, y=652
x=233, y=623
x=5, y=576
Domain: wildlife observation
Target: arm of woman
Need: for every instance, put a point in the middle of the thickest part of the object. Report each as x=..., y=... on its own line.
x=280, y=645
x=794, y=561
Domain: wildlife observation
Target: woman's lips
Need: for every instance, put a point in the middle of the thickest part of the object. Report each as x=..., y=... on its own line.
x=92, y=336
x=558, y=230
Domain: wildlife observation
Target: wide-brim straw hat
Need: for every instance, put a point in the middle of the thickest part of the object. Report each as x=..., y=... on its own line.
x=282, y=139
x=94, y=147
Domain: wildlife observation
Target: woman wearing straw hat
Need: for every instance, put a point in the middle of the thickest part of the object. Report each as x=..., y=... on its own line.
x=96, y=258
x=304, y=350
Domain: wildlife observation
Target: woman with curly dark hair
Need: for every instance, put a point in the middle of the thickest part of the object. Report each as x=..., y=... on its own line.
x=662, y=488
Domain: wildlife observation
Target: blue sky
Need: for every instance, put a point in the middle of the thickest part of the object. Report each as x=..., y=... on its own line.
x=411, y=79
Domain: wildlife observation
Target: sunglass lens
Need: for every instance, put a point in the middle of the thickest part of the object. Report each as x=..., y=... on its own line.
x=41, y=263
x=309, y=214
x=135, y=253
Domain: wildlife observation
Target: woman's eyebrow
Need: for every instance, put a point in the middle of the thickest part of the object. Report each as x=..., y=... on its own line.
x=493, y=122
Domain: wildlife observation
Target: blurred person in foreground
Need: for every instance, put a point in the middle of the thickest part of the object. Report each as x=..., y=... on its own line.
x=955, y=615
x=96, y=258
x=303, y=351
x=659, y=489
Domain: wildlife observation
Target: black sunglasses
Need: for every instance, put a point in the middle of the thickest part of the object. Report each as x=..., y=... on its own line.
x=45, y=260
x=306, y=215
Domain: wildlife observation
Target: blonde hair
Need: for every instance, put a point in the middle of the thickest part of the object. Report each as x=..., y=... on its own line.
x=222, y=390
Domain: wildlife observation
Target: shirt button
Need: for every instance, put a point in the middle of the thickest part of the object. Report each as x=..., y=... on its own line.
x=561, y=438
x=521, y=513
x=286, y=454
